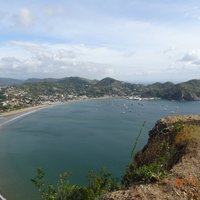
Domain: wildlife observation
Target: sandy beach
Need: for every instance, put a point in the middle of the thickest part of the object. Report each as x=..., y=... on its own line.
x=8, y=117
x=23, y=110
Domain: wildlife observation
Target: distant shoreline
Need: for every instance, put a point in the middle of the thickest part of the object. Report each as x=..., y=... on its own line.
x=42, y=106
x=8, y=117
x=15, y=114
x=23, y=110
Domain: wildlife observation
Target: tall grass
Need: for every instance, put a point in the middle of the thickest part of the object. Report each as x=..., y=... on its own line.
x=137, y=140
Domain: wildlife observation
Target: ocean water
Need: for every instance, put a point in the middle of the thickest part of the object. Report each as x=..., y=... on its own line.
x=76, y=137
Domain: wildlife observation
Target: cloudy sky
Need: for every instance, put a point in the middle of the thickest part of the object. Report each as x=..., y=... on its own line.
x=131, y=40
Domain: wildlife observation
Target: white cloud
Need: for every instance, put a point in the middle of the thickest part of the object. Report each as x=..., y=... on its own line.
x=28, y=59
x=44, y=60
x=23, y=18
x=96, y=40
x=193, y=57
x=10, y=62
x=53, y=11
x=59, y=60
x=188, y=64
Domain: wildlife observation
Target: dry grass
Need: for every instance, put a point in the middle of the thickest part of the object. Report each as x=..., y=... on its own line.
x=188, y=133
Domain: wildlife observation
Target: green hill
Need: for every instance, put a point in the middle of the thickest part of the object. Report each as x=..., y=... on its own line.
x=188, y=91
x=78, y=86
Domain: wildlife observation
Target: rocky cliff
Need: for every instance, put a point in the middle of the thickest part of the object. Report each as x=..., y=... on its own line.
x=168, y=167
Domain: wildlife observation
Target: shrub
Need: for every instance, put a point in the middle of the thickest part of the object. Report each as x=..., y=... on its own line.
x=151, y=172
x=98, y=184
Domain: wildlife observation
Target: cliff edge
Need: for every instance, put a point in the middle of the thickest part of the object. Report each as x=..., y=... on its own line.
x=168, y=167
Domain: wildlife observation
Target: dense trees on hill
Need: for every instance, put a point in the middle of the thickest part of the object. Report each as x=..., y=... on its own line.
x=34, y=89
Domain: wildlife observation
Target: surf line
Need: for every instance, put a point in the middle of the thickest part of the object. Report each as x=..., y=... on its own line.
x=17, y=117
x=2, y=198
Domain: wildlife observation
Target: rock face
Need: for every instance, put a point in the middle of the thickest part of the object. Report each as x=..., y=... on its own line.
x=177, y=140
x=181, y=95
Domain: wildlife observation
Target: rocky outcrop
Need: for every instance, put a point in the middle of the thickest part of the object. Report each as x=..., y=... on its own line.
x=177, y=141
x=182, y=95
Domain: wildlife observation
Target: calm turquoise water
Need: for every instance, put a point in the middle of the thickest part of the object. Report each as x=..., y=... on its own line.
x=76, y=137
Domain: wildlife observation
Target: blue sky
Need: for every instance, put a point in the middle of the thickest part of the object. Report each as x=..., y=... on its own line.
x=131, y=40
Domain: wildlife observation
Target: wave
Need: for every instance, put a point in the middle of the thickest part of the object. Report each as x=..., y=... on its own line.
x=16, y=117
x=2, y=198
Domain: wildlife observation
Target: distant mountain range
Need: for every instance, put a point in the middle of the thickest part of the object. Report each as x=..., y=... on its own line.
x=9, y=81
x=189, y=90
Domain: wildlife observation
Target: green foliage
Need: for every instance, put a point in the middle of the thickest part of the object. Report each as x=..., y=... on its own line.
x=98, y=184
x=47, y=193
x=178, y=126
x=147, y=173
x=2, y=96
x=152, y=169
x=102, y=182
x=52, y=89
x=183, y=91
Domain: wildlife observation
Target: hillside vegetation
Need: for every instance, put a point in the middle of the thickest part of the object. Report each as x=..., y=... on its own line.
x=34, y=92
x=189, y=90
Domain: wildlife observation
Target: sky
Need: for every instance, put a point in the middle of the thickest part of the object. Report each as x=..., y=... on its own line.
x=130, y=40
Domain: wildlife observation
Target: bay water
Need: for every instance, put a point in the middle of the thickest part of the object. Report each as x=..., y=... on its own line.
x=77, y=137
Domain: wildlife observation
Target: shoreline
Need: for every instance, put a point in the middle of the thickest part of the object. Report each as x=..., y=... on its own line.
x=7, y=117
x=41, y=106
x=23, y=110
x=2, y=198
